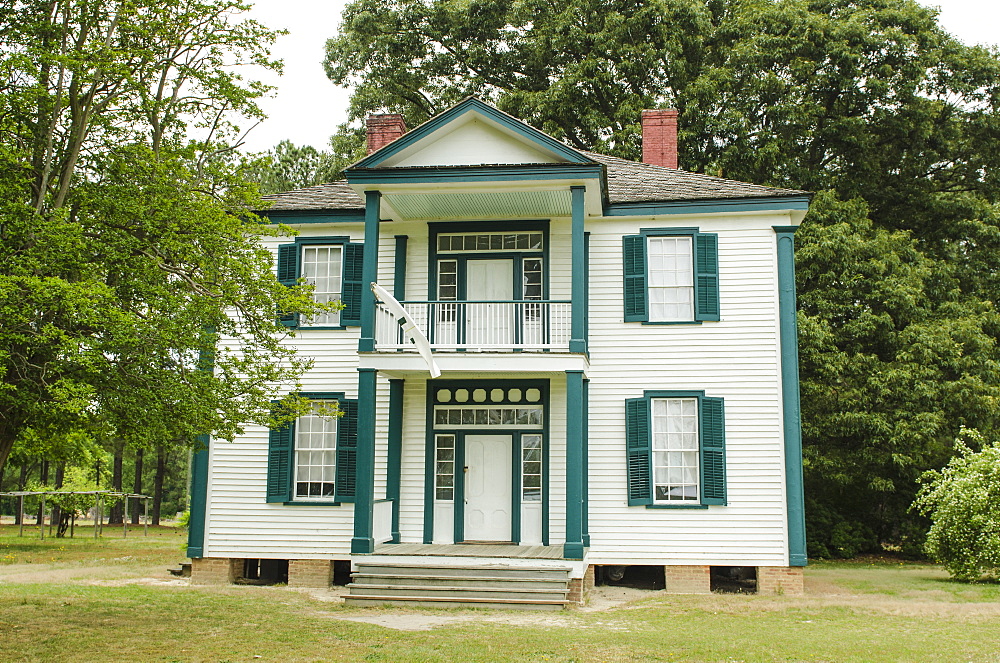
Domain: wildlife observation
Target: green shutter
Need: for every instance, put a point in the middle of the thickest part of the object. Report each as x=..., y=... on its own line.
x=706, y=265
x=288, y=274
x=352, y=285
x=347, y=451
x=637, y=442
x=280, y=448
x=713, y=451
x=634, y=264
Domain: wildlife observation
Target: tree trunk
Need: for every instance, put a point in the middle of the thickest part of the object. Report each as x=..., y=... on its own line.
x=137, y=486
x=117, y=514
x=43, y=477
x=161, y=467
x=57, y=514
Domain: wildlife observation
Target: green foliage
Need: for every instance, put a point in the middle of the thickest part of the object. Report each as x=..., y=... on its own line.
x=963, y=502
x=289, y=166
x=128, y=263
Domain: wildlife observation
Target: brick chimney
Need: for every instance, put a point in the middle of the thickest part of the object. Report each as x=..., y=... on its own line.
x=659, y=137
x=383, y=129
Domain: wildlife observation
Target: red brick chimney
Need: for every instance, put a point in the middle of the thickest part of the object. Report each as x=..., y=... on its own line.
x=383, y=129
x=659, y=137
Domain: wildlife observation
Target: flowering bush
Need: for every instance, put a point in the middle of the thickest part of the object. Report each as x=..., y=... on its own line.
x=963, y=502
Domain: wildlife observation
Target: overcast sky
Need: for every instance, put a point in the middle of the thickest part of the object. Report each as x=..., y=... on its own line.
x=307, y=107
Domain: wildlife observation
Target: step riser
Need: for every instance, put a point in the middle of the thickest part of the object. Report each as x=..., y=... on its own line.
x=457, y=593
x=361, y=602
x=367, y=579
x=386, y=569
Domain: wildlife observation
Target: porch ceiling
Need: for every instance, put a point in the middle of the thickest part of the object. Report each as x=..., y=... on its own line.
x=481, y=205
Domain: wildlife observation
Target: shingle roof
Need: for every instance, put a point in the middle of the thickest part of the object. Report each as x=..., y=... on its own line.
x=628, y=182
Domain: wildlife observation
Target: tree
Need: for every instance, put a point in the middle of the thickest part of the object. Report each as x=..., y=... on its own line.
x=289, y=166
x=870, y=101
x=137, y=301
x=963, y=502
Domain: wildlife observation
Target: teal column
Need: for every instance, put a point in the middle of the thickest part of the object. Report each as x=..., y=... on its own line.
x=364, y=491
x=369, y=272
x=399, y=269
x=395, y=452
x=199, y=498
x=573, y=548
x=577, y=336
x=791, y=418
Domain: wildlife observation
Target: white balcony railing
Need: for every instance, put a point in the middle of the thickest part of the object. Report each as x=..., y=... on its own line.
x=479, y=326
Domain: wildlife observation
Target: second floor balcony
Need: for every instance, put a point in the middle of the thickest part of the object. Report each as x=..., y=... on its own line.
x=479, y=326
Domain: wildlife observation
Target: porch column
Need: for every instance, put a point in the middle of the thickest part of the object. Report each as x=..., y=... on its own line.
x=364, y=490
x=369, y=271
x=395, y=452
x=577, y=336
x=573, y=548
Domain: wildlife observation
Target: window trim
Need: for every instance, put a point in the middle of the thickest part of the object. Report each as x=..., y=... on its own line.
x=712, y=465
x=286, y=475
x=704, y=274
x=301, y=242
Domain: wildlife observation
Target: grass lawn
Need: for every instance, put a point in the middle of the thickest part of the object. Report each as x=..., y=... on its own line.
x=112, y=600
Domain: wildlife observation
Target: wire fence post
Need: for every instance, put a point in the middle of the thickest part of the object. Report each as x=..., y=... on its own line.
x=145, y=516
x=125, y=518
x=20, y=507
x=41, y=519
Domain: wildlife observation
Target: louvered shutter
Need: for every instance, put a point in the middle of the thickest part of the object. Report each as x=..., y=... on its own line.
x=713, y=451
x=352, y=285
x=706, y=265
x=288, y=274
x=634, y=264
x=637, y=443
x=347, y=451
x=280, y=449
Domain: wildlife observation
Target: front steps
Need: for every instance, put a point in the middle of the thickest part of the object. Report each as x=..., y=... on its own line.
x=472, y=586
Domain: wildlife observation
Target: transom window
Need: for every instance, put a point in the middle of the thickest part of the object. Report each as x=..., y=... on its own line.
x=316, y=454
x=489, y=242
x=488, y=417
x=675, y=449
x=321, y=268
x=671, y=278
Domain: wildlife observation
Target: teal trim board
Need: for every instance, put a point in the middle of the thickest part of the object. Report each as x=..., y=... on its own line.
x=364, y=523
x=791, y=417
x=471, y=105
x=573, y=548
x=712, y=206
x=586, y=463
x=394, y=452
x=199, y=498
x=292, y=218
x=515, y=173
x=399, y=269
x=369, y=269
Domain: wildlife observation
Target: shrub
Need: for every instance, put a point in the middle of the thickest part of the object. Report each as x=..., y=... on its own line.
x=963, y=502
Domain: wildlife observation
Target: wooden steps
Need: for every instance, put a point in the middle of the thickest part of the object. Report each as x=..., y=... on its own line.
x=476, y=586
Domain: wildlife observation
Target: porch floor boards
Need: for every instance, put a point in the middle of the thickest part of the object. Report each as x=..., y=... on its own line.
x=473, y=550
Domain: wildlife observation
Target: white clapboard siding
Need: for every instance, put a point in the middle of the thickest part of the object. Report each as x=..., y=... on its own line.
x=736, y=358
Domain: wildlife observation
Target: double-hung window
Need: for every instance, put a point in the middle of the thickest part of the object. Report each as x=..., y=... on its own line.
x=676, y=449
x=314, y=458
x=333, y=267
x=671, y=276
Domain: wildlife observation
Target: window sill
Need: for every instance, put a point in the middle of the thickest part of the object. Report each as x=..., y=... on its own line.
x=311, y=503
x=672, y=322
x=310, y=328
x=676, y=506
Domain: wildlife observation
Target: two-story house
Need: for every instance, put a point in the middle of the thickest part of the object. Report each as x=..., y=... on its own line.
x=618, y=377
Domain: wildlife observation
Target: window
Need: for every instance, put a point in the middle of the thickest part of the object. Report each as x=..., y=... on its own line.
x=531, y=468
x=314, y=458
x=671, y=275
x=333, y=266
x=676, y=449
x=444, y=469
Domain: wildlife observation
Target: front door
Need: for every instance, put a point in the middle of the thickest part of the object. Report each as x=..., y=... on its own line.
x=489, y=281
x=488, y=487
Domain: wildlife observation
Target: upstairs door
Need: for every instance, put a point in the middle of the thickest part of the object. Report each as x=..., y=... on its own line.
x=489, y=280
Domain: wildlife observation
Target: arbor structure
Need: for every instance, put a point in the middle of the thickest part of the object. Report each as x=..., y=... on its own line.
x=868, y=101
x=125, y=248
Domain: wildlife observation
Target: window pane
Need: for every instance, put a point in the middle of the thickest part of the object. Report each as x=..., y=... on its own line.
x=669, y=264
x=675, y=449
x=321, y=268
x=315, y=454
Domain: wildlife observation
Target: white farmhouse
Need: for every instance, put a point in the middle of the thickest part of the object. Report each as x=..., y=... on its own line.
x=618, y=379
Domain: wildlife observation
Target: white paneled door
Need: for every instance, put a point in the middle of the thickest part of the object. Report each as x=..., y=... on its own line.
x=488, y=486
x=490, y=281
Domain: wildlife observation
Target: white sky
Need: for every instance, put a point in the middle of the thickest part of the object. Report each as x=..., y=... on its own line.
x=307, y=107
